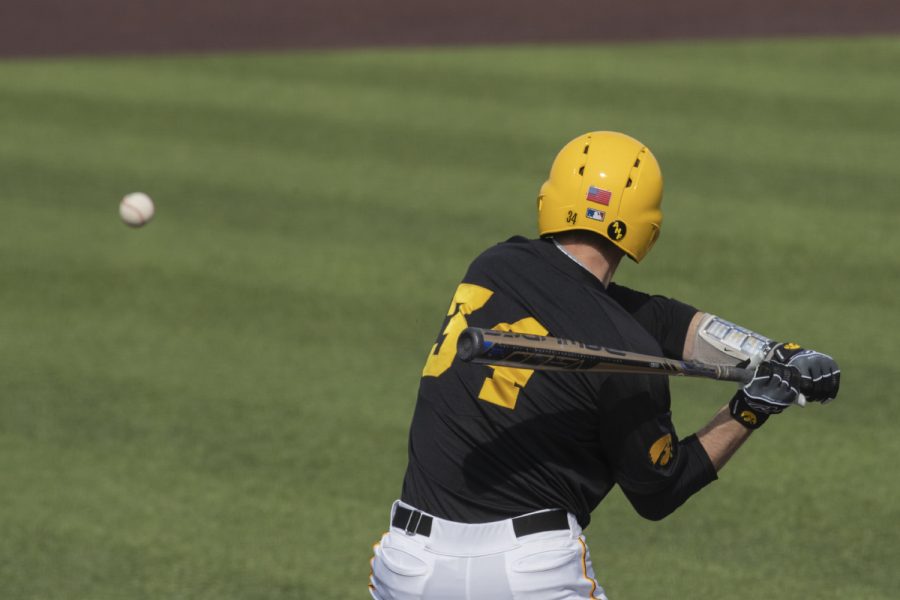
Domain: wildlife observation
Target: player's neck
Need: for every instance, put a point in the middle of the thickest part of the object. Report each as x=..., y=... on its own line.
x=591, y=252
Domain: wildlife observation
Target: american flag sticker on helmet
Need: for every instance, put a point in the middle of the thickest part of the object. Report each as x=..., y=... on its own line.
x=598, y=195
x=595, y=214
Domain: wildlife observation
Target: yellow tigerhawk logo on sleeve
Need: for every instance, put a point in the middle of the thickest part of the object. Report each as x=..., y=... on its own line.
x=791, y=346
x=748, y=417
x=661, y=451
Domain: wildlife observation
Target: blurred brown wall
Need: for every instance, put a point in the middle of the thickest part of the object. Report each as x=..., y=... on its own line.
x=45, y=27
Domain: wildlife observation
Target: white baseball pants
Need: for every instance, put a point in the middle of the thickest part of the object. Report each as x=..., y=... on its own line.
x=485, y=561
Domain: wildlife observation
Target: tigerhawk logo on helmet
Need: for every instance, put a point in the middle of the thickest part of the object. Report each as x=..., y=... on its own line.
x=609, y=168
x=617, y=231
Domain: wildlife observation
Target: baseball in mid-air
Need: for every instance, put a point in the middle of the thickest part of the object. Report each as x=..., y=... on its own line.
x=136, y=209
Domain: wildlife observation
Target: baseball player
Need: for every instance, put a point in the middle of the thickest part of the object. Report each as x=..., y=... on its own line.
x=506, y=465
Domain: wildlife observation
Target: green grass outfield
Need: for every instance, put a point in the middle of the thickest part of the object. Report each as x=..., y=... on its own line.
x=216, y=406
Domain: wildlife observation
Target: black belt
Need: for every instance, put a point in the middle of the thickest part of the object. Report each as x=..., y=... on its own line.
x=414, y=522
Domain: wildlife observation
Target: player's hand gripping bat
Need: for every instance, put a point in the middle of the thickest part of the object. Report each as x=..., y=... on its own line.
x=544, y=353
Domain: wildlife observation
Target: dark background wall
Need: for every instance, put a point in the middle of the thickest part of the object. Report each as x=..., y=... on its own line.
x=46, y=27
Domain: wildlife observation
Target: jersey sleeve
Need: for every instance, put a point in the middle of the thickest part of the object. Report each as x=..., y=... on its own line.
x=656, y=471
x=666, y=319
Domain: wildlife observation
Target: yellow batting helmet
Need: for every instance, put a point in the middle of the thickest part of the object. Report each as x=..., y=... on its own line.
x=608, y=183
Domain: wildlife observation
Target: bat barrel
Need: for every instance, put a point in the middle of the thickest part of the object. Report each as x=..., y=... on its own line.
x=470, y=344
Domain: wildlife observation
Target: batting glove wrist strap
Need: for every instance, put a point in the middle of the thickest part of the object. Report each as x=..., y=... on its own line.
x=745, y=414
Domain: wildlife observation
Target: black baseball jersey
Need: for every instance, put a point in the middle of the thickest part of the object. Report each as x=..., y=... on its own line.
x=488, y=443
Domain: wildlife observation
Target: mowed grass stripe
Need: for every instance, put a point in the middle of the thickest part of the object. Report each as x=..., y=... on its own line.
x=270, y=79
x=379, y=101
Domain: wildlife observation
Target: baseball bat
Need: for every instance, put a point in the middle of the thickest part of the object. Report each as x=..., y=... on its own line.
x=545, y=353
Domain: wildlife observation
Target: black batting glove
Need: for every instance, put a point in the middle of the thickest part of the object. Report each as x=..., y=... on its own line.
x=772, y=389
x=821, y=377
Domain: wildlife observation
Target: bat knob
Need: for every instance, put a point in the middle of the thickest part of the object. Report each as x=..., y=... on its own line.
x=470, y=343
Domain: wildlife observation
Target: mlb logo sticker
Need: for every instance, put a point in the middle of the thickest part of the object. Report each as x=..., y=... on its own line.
x=598, y=195
x=597, y=215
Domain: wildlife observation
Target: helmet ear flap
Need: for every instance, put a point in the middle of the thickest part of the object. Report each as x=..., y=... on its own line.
x=654, y=235
x=608, y=183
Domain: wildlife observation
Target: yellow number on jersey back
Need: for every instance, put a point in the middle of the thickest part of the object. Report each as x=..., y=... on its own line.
x=502, y=387
x=467, y=299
